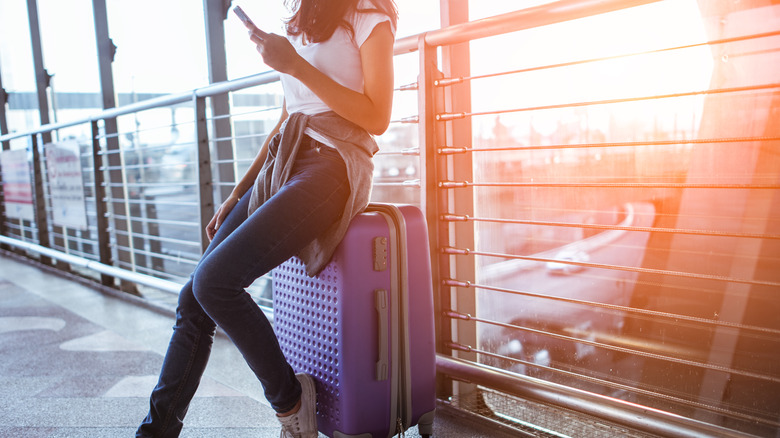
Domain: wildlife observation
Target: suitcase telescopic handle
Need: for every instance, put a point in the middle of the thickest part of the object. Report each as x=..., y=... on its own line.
x=383, y=330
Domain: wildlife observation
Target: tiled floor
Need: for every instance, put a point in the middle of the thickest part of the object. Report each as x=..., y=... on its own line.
x=75, y=362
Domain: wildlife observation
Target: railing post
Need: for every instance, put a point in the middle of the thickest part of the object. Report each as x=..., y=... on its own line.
x=3, y=147
x=3, y=118
x=456, y=98
x=205, y=185
x=104, y=249
x=106, y=50
x=42, y=82
x=41, y=221
x=215, y=12
x=42, y=77
x=433, y=204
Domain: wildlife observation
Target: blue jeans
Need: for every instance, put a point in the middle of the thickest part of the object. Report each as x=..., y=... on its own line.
x=243, y=249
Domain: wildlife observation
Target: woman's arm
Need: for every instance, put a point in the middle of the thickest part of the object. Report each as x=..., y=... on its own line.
x=243, y=185
x=370, y=109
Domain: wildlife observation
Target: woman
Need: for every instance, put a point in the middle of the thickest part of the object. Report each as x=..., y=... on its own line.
x=311, y=176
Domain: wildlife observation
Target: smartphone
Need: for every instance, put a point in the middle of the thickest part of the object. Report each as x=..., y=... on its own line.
x=242, y=16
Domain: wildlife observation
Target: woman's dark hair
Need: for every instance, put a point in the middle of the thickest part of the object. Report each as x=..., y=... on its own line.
x=316, y=20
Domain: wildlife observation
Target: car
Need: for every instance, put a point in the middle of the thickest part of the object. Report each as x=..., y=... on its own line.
x=563, y=265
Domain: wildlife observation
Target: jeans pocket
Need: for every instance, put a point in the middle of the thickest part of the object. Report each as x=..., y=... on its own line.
x=329, y=153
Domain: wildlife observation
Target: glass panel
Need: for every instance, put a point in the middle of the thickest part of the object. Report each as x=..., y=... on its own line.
x=161, y=47
x=626, y=194
x=70, y=55
x=16, y=66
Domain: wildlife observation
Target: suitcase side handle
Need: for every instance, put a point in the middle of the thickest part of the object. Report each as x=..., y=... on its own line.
x=383, y=328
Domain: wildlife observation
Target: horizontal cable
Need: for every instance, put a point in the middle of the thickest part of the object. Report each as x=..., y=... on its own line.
x=643, y=312
x=720, y=278
x=151, y=271
x=632, y=387
x=91, y=226
x=709, y=233
x=183, y=184
x=154, y=201
x=160, y=239
x=119, y=217
x=218, y=140
x=407, y=120
x=632, y=185
x=442, y=117
x=239, y=137
x=158, y=255
x=560, y=211
x=74, y=239
x=130, y=149
x=21, y=227
x=90, y=230
x=76, y=253
x=106, y=136
x=447, y=150
x=233, y=161
x=16, y=226
x=457, y=80
x=150, y=166
x=467, y=317
x=236, y=114
x=409, y=183
x=135, y=133
x=414, y=86
x=407, y=151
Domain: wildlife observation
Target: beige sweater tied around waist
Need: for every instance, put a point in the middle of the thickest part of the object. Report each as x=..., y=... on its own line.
x=356, y=147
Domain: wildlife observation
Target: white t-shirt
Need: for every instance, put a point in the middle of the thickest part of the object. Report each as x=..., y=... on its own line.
x=338, y=58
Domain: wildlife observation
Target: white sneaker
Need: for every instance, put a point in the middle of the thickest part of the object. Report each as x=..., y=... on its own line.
x=302, y=424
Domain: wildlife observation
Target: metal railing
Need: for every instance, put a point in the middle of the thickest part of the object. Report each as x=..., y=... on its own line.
x=579, y=271
x=561, y=305
x=145, y=212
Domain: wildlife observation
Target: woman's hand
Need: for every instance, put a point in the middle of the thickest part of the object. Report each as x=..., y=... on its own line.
x=369, y=109
x=220, y=215
x=276, y=50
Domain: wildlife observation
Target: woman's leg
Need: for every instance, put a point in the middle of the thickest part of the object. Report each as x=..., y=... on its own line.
x=242, y=251
x=188, y=351
x=311, y=201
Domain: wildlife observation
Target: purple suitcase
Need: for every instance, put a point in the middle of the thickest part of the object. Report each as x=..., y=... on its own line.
x=364, y=326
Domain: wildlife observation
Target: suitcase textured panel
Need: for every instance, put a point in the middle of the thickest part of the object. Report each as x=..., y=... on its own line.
x=365, y=336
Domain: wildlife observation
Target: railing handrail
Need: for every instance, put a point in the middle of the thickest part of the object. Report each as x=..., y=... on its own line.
x=542, y=15
x=644, y=418
x=147, y=280
x=214, y=89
